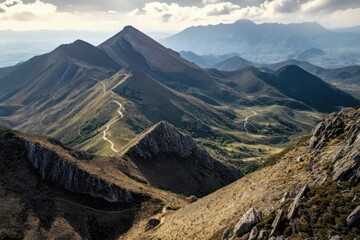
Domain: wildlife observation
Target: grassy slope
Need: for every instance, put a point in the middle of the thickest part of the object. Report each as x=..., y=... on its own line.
x=208, y=217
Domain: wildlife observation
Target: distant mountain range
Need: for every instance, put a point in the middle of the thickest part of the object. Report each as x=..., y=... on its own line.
x=346, y=78
x=271, y=42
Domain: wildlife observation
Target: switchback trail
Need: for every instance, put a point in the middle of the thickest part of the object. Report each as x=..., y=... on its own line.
x=121, y=115
x=247, y=119
x=119, y=111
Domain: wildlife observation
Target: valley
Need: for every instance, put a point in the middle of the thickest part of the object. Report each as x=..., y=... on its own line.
x=133, y=140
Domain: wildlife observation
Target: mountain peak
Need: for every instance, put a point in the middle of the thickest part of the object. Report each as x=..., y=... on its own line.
x=171, y=160
x=133, y=49
x=162, y=137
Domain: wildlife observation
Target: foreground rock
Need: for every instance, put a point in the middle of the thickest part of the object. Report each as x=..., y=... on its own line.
x=171, y=160
x=246, y=222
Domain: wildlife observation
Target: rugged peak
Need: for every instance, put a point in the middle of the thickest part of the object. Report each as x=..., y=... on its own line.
x=344, y=126
x=133, y=49
x=171, y=160
x=333, y=126
x=162, y=137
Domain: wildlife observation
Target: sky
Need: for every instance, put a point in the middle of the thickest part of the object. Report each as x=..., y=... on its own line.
x=170, y=15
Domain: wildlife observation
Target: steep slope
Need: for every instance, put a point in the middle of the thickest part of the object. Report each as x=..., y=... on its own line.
x=296, y=194
x=232, y=64
x=68, y=68
x=49, y=191
x=158, y=102
x=346, y=78
x=170, y=160
x=133, y=49
x=302, y=86
x=140, y=52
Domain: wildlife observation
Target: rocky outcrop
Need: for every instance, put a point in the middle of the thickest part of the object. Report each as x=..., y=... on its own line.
x=333, y=126
x=354, y=218
x=54, y=168
x=171, y=160
x=246, y=222
x=344, y=124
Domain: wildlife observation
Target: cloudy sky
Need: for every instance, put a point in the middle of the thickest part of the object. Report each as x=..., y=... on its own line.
x=170, y=15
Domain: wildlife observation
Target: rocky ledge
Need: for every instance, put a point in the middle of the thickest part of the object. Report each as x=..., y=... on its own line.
x=55, y=168
x=345, y=125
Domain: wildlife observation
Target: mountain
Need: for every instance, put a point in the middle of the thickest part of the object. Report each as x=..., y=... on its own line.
x=133, y=49
x=56, y=192
x=302, y=86
x=232, y=64
x=136, y=51
x=59, y=72
x=171, y=160
x=346, y=78
x=269, y=42
x=295, y=194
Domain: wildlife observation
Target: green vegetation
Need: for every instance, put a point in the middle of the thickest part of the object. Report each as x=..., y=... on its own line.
x=327, y=209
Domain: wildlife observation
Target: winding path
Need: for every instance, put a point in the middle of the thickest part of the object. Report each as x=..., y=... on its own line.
x=247, y=119
x=121, y=115
x=119, y=111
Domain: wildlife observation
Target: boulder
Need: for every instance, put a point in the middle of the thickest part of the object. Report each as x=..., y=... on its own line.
x=246, y=222
x=354, y=218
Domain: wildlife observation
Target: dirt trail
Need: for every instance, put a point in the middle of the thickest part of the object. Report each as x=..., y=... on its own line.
x=120, y=111
x=247, y=119
x=121, y=115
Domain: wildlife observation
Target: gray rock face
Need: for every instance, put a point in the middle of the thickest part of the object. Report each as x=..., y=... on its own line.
x=164, y=138
x=347, y=159
x=171, y=160
x=333, y=126
x=354, y=218
x=52, y=167
x=296, y=202
x=246, y=222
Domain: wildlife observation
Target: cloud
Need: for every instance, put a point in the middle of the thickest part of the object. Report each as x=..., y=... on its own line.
x=314, y=6
x=26, y=11
x=170, y=15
